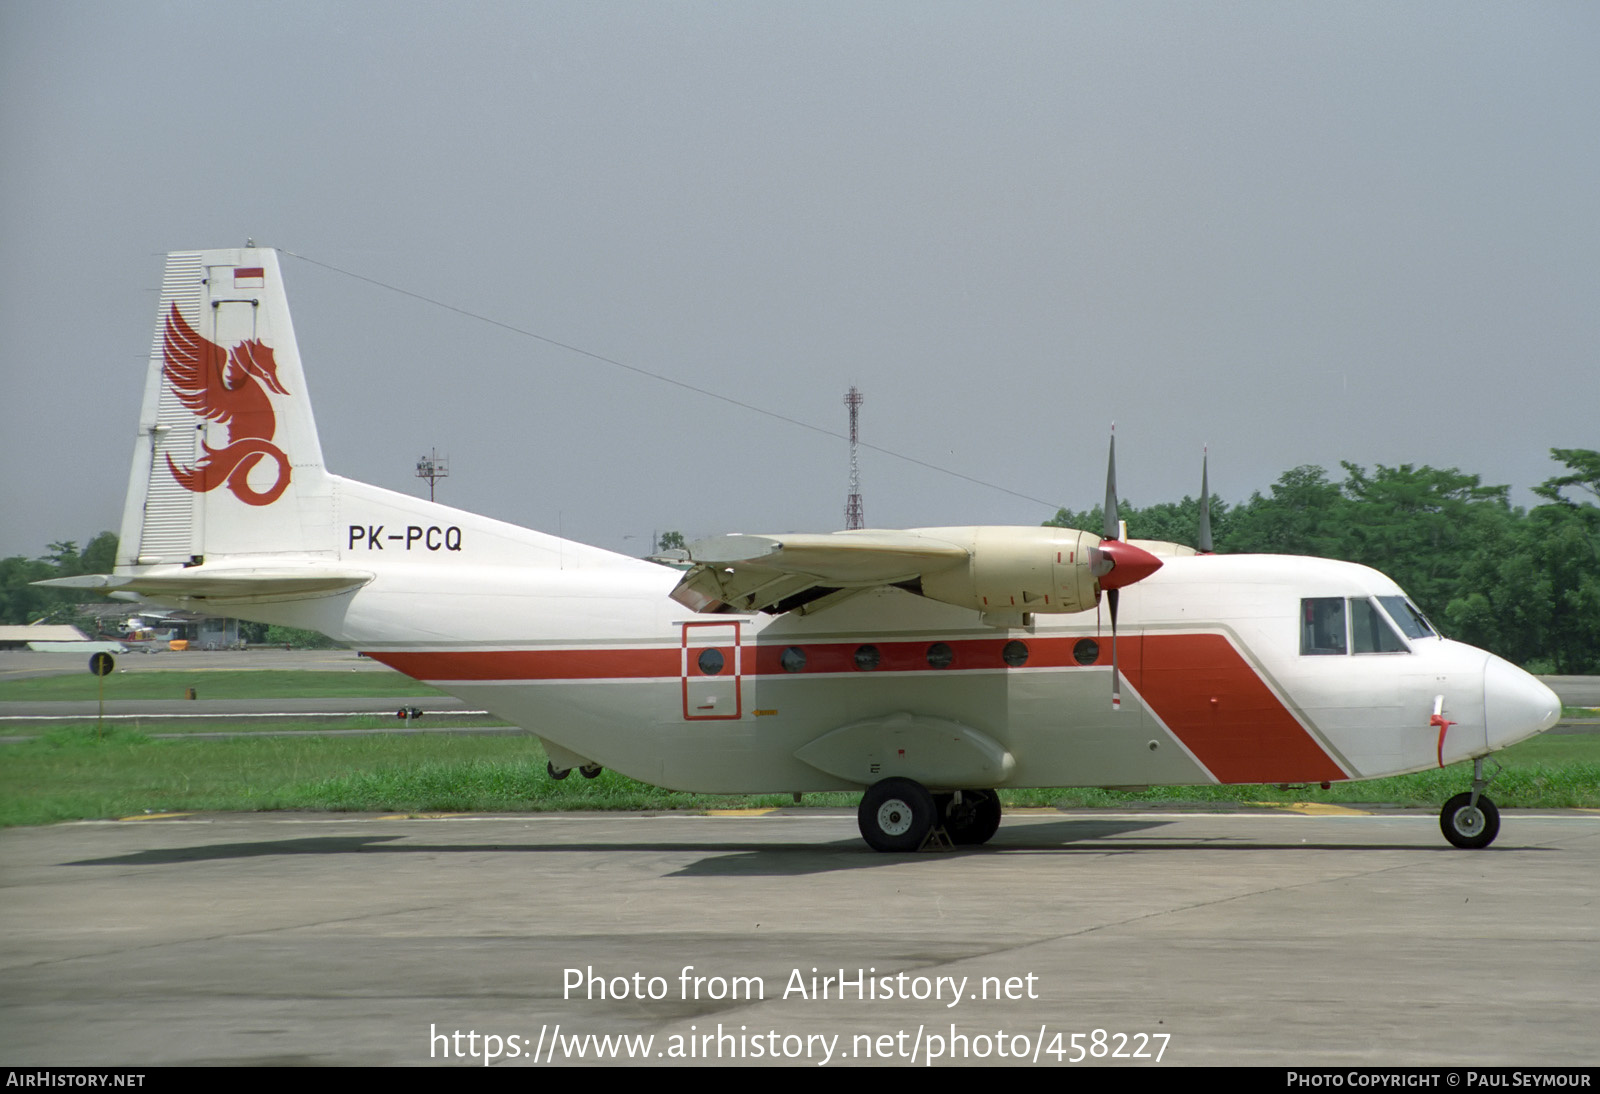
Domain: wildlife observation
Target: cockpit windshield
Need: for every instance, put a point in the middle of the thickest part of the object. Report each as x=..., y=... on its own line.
x=1410, y=620
x=1322, y=631
x=1371, y=631
x=1334, y=625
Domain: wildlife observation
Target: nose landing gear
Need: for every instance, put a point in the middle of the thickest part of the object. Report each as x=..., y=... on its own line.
x=1471, y=820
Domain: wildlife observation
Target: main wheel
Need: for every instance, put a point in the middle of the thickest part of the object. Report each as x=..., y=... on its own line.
x=975, y=820
x=896, y=815
x=1469, y=826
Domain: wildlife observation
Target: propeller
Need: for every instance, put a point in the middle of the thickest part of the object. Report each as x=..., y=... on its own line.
x=1112, y=534
x=1117, y=563
x=1113, y=526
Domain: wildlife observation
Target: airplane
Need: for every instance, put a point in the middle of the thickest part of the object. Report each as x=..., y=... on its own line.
x=928, y=668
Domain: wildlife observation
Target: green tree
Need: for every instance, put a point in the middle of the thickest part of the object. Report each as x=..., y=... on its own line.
x=22, y=603
x=1421, y=525
x=1504, y=597
x=63, y=556
x=1531, y=591
x=1306, y=515
x=1584, y=464
x=1564, y=543
x=300, y=638
x=100, y=556
x=1172, y=522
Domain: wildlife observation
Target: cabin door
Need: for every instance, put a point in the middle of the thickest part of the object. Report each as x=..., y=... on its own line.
x=711, y=667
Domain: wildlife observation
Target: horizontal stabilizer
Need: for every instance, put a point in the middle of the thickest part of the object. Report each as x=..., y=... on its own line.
x=253, y=583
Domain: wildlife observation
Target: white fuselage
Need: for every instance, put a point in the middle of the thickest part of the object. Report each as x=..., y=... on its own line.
x=586, y=649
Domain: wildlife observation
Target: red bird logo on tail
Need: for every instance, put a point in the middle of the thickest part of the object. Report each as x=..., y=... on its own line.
x=230, y=388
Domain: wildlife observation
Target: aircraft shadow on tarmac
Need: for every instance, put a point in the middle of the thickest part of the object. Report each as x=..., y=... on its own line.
x=1067, y=836
x=722, y=858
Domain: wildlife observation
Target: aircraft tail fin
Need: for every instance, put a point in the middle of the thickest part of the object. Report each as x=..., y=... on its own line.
x=228, y=497
x=227, y=459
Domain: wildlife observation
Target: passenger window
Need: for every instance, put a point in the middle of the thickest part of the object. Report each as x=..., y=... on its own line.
x=1322, y=625
x=1371, y=631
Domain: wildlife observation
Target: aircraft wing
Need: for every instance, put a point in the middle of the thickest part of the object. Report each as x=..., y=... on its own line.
x=807, y=572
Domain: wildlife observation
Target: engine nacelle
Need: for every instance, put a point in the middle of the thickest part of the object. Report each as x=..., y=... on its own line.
x=1018, y=570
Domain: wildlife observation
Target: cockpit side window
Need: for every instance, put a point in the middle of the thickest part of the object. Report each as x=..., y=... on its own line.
x=1370, y=629
x=1413, y=624
x=1322, y=630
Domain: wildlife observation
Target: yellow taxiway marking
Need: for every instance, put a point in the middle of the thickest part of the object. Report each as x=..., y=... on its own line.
x=1317, y=809
x=739, y=812
x=155, y=816
x=425, y=816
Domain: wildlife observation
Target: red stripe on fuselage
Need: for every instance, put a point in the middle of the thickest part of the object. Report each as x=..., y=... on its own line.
x=1199, y=685
x=1220, y=708
x=534, y=664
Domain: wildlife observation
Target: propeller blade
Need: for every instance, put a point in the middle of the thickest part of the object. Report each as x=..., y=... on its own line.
x=1112, y=523
x=1112, y=595
x=1205, y=546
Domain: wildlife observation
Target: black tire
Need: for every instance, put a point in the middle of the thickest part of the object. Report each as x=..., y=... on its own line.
x=896, y=815
x=1467, y=827
x=975, y=821
x=554, y=774
x=590, y=771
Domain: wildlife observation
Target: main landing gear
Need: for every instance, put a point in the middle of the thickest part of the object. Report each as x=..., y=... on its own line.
x=903, y=815
x=1471, y=820
x=588, y=771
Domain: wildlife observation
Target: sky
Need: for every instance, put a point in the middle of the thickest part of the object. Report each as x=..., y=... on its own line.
x=1299, y=233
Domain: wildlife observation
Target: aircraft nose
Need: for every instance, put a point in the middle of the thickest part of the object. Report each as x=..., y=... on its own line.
x=1515, y=705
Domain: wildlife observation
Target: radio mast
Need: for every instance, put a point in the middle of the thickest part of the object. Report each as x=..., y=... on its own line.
x=852, y=505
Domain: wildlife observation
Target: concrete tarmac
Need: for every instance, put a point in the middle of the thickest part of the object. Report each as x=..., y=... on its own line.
x=1210, y=938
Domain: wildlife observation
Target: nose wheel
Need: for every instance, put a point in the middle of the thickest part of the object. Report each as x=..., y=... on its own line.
x=1471, y=820
x=1468, y=824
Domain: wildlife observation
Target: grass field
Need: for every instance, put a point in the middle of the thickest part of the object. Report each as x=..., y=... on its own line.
x=212, y=684
x=158, y=724
x=70, y=774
